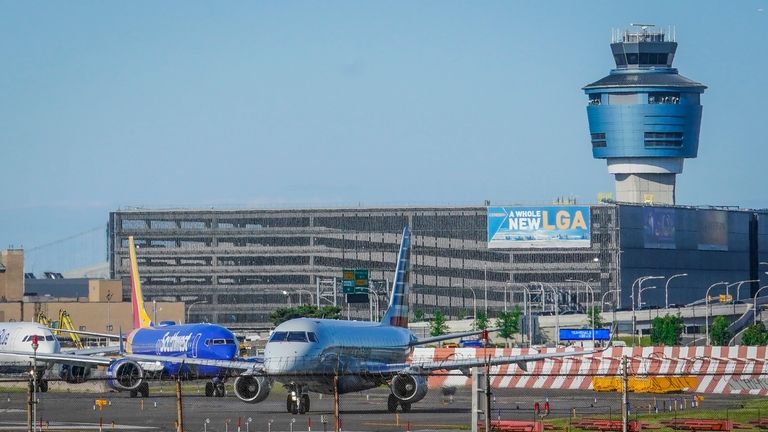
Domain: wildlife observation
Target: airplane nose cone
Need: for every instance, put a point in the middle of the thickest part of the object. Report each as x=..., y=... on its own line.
x=287, y=359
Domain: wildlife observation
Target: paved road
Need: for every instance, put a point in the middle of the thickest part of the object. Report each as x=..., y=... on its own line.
x=360, y=411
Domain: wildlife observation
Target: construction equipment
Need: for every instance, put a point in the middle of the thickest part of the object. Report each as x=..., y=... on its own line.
x=64, y=322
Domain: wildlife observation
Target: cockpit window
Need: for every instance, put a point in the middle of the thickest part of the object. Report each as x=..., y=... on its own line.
x=296, y=336
x=49, y=337
x=278, y=337
x=312, y=337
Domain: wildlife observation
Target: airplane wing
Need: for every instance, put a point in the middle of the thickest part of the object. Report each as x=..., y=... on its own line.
x=465, y=364
x=253, y=365
x=521, y=361
x=96, y=334
x=63, y=358
x=149, y=362
x=449, y=336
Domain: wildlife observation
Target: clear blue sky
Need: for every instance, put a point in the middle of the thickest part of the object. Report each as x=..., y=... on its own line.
x=278, y=104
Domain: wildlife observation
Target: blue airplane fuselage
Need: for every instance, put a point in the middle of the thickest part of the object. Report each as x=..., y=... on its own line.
x=201, y=341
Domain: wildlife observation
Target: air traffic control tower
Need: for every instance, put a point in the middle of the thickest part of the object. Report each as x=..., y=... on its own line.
x=644, y=117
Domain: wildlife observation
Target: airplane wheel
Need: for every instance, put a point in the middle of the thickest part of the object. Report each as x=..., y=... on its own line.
x=144, y=390
x=406, y=406
x=305, y=402
x=220, y=391
x=392, y=403
x=208, y=389
x=289, y=404
x=43, y=386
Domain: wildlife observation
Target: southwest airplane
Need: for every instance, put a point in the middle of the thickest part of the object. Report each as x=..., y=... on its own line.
x=187, y=350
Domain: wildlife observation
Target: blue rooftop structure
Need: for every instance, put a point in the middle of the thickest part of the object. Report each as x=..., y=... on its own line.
x=644, y=117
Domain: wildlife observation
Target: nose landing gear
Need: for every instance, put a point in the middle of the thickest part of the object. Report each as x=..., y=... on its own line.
x=297, y=401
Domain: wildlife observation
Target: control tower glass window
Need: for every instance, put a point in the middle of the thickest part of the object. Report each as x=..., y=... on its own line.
x=663, y=139
x=594, y=99
x=622, y=99
x=664, y=98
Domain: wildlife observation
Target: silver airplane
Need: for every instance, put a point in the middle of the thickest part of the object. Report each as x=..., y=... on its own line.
x=307, y=354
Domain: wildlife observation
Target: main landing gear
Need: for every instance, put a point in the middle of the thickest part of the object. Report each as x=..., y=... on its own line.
x=42, y=385
x=142, y=390
x=297, y=401
x=393, y=402
x=215, y=388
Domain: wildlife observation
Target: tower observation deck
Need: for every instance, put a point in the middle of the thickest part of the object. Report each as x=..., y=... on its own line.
x=644, y=117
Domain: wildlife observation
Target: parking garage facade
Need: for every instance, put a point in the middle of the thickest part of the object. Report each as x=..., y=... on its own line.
x=237, y=266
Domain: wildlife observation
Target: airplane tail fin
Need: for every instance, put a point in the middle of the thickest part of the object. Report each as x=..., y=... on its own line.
x=397, y=313
x=140, y=317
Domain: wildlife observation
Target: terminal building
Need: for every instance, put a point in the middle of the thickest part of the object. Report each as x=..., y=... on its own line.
x=237, y=266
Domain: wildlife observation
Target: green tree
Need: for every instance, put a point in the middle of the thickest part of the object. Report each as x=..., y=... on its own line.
x=718, y=331
x=438, y=326
x=280, y=315
x=755, y=335
x=508, y=323
x=594, y=316
x=667, y=330
x=418, y=315
x=481, y=321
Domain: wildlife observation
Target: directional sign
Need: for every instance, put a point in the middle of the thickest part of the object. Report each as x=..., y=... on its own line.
x=354, y=281
x=584, y=334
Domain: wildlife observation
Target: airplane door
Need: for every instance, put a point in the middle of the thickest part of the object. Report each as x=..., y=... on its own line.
x=195, y=341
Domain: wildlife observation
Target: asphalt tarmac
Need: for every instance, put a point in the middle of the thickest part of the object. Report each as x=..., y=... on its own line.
x=364, y=411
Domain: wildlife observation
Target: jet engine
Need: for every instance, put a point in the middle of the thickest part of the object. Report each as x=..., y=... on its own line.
x=125, y=375
x=409, y=388
x=252, y=388
x=75, y=374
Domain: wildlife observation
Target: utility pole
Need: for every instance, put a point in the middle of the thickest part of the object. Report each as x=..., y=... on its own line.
x=179, y=406
x=336, y=413
x=624, y=399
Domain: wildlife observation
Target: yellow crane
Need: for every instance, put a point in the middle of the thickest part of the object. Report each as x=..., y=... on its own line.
x=64, y=322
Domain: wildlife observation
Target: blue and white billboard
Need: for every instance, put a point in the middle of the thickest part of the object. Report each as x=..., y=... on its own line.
x=543, y=227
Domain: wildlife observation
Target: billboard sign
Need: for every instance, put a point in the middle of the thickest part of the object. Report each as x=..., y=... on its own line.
x=584, y=334
x=713, y=230
x=658, y=228
x=543, y=227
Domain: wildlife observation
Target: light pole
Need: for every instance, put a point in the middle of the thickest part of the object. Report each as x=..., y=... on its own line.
x=189, y=308
x=505, y=296
x=754, y=305
x=109, y=318
x=614, y=326
x=639, y=281
x=666, y=288
x=706, y=313
x=738, y=286
x=287, y=297
x=485, y=287
x=556, y=295
x=591, y=309
x=311, y=297
x=526, y=313
x=474, y=303
x=602, y=302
